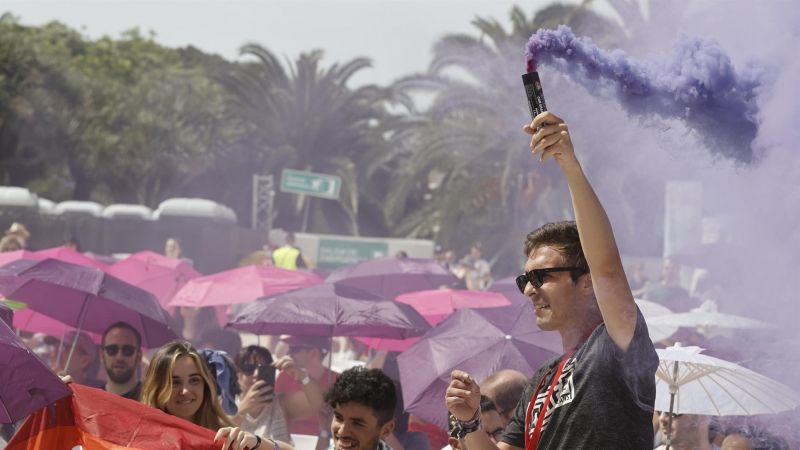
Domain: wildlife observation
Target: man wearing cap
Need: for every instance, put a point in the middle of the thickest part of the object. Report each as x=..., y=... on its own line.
x=19, y=231
x=308, y=353
x=121, y=355
x=84, y=363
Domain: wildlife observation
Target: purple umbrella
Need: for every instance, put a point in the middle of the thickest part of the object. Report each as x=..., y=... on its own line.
x=86, y=298
x=508, y=287
x=392, y=276
x=331, y=310
x=26, y=383
x=477, y=341
x=6, y=314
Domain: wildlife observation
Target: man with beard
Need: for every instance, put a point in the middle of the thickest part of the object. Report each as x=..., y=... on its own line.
x=363, y=402
x=121, y=355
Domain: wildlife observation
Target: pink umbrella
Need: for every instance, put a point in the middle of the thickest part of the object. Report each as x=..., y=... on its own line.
x=242, y=285
x=7, y=257
x=29, y=320
x=435, y=305
x=71, y=256
x=155, y=273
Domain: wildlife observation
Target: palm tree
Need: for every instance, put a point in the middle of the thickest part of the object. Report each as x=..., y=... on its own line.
x=306, y=117
x=469, y=139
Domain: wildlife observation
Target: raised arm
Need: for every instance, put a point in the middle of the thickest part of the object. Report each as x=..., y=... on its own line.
x=597, y=239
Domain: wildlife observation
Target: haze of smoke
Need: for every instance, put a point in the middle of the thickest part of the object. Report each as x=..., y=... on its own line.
x=697, y=83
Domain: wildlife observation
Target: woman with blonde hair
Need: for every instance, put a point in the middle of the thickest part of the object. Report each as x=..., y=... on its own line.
x=179, y=383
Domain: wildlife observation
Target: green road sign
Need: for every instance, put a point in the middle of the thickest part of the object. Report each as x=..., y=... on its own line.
x=309, y=183
x=334, y=253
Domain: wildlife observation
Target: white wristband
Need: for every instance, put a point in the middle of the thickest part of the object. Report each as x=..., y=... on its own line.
x=305, y=380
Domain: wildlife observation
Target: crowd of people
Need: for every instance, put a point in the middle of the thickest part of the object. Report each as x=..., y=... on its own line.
x=599, y=394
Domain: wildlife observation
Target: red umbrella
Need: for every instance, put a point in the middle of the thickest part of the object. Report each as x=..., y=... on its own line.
x=435, y=305
x=242, y=285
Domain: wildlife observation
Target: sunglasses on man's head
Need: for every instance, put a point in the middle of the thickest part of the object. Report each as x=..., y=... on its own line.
x=536, y=276
x=127, y=350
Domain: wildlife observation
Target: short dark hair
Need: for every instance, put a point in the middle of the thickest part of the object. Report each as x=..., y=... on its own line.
x=487, y=404
x=126, y=326
x=369, y=387
x=759, y=439
x=250, y=352
x=508, y=395
x=223, y=339
x=564, y=237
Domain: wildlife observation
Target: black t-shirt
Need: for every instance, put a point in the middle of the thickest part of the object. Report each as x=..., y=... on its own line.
x=133, y=394
x=604, y=399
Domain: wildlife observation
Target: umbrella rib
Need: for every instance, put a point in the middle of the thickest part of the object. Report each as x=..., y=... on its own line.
x=730, y=394
x=752, y=382
x=5, y=409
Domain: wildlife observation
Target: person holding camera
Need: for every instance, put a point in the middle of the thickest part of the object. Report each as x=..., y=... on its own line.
x=258, y=412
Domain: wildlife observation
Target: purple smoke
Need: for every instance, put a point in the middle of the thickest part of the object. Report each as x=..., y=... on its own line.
x=696, y=83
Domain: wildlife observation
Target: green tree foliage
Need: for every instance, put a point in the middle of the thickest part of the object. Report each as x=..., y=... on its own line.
x=126, y=116
x=464, y=173
x=303, y=116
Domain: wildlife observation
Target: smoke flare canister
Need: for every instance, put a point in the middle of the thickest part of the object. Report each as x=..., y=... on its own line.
x=533, y=90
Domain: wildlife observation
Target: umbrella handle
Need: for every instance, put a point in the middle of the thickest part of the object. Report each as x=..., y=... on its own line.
x=78, y=332
x=671, y=405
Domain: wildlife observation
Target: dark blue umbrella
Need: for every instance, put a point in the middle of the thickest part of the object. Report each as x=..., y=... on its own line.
x=26, y=383
x=6, y=314
x=331, y=310
x=392, y=276
x=477, y=341
x=86, y=298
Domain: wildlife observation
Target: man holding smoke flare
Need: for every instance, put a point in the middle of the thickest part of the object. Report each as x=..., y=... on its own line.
x=600, y=393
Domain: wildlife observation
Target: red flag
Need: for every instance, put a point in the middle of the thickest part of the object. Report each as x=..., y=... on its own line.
x=97, y=420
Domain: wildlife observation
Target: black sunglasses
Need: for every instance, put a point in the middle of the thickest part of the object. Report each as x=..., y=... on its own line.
x=127, y=350
x=536, y=276
x=299, y=348
x=248, y=369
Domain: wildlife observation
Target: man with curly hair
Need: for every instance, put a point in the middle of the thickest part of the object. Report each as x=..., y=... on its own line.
x=363, y=403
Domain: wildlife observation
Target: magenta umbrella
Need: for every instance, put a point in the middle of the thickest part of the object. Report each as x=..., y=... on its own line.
x=85, y=298
x=242, y=285
x=26, y=383
x=155, y=273
x=435, y=305
x=69, y=255
x=392, y=276
x=477, y=341
x=330, y=310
